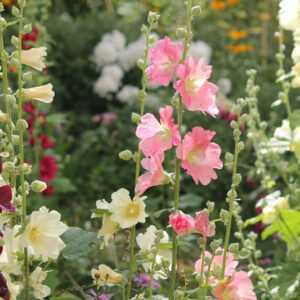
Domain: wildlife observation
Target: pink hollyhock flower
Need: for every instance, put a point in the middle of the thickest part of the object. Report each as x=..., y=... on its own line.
x=181, y=223
x=199, y=156
x=156, y=175
x=239, y=287
x=96, y=118
x=165, y=58
x=196, y=92
x=216, y=265
x=158, y=137
x=48, y=168
x=6, y=198
x=109, y=117
x=202, y=225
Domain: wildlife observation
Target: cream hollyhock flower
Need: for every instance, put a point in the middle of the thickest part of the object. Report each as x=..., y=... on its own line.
x=127, y=212
x=109, y=227
x=42, y=93
x=105, y=275
x=289, y=14
x=42, y=234
x=34, y=57
x=146, y=241
x=36, y=278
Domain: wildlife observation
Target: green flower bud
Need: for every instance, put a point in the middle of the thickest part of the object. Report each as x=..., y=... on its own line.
x=135, y=118
x=2, y=22
x=238, y=235
x=15, y=140
x=15, y=41
x=142, y=95
x=125, y=155
x=27, y=28
x=22, y=125
x=241, y=146
x=140, y=63
x=27, y=76
x=224, y=215
x=236, y=133
x=152, y=39
x=8, y=167
x=10, y=99
x=15, y=11
x=229, y=157
x=233, y=248
x=27, y=168
x=196, y=11
x=153, y=17
x=215, y=244
x=237, y=179
x=38, y=186
x=258, y=253
x=1, y=7
x=210, y=206
x=144, y=29
x=233, y=124
x=181, y=33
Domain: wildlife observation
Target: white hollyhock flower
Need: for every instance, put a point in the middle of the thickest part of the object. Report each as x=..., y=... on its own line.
x=42, y=93
x=289, y=14
x=224, y=85
x=34, y=57
x=146, y=241
x=36, y=278
x=128, y=94
x=127, y=212
x=200, y=49
x=116, y=38
x=114, y=72
x=105, y=85
x=105, y=275
x=42, y=234
x=104, y=53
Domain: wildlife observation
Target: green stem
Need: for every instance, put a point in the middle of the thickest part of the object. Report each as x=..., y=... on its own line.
x=207, y=276
x=178, y=161
x=202, y=270
x=137, y=168
x=152, y=273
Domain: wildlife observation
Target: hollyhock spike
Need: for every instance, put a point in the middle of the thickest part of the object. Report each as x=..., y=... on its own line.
x=199, y=156
x=158, y=137
x=165, y=58
x=196, y=92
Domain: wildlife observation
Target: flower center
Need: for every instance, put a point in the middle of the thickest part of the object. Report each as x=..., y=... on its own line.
x=35, y=234
x=133, y=210
x=193, y=84
x=196, y=157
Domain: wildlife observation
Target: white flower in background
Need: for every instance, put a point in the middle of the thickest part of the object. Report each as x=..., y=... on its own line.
x=14, y=288
x=104, y=53
x=36, y=278
x=42, y=93
x=146, y=241
x=105, y=275
x=200, y=49
x=270, y=206
x=34, y=57
x=127, y=212
x=116, y=38
x=42, y=234
x=105, y=85
x=282, y=139
x=152, y=101
x=289, y=14
x=224, y=85
x=114, y=72
x=128, y=94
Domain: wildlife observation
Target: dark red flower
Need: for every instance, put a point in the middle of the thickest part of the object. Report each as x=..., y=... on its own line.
x=6, y=198
x=49, y=191
x=46, y=142
x=0, y=165
x=31, y=37
x=48, y=168
x=41, y=119
x=1, y=248
x=29, y=107
x=4, y=292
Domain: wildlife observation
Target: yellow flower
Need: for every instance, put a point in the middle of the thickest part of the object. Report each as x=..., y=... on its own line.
x=218, y=5
x=105, y=275
x=109, y=227
x=127, y=212
x=34, y=57
x=42, y=93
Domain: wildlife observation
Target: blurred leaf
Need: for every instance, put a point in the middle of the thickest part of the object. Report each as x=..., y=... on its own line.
x=57, y=118
x=190, y=200
x=52, y=280
x=158, y=213
x=63, y=185
x=294, y=118
x=78, y=242
x=253, y=220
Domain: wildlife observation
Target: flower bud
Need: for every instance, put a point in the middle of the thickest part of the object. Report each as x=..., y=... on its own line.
x=210, y=206
x=142, y=95
x=237, y=179
x=181, y=33
x=3, y=116
x=224, y=215
x=15, y=139
x=2, y=22
x=27, y=168
x=15, y=11
x=236, y=133
x=27, y=28
x=15, y=41
x=27, y=76
x=8, y=167
x=38, y=186
x=144, y=29
x=125, y=155
x=229, y=157
x=140, y=63
x=152, y=39
x=233, y=124
x=22, y=125
x=1, y=7
x=196, y=11
x=10, y=99
x=215, y=244
x=233, y=248
x=241, y=146
x=14, y=62
x=135, y=118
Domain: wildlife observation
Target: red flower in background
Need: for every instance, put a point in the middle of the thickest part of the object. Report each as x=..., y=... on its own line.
x=1, y=249
x=41, y=118
x=29, y=107
x=48, y=168
x=31, y=37
x=6, y=198
x=46, y=143
x=4, y=292
x=49, y=191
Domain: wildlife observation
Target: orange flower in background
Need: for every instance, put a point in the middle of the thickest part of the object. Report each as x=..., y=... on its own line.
x=10, y=3
x=240, y=48
x=233, y=2
x=237, y=34
x=154, y=8
x=218, y=5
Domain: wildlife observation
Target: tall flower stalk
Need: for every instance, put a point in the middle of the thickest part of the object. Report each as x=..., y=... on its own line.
x=188, y=34
x=142, y=63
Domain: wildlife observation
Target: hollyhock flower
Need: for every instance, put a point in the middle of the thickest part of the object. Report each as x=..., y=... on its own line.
x=42, y=93
x=4, y=292
x=216, y=265
x=289, y=16
x=42, y=234
x=157, y=175
x=34, y=57
x=48, y=168
x=6, y=197
x=127, y=212
x=157, y=137
x=143, y=280
x=49, y=191
x=181, y=223
x=165, y=58
x=202, y=225
x=109, y=117
x=96, y=118
x=29, y=107
x=196, y=92
x=105, y=275
x=199, y=156
x=239, y=287
x=1, y=248
x=36, y=278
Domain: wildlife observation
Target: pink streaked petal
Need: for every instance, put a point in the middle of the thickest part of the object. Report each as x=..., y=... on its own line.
x=148, y=127
x=166, y=114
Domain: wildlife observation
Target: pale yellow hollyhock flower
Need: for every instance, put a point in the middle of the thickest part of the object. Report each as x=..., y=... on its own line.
x=34, y=57
x=42, y=234
x=42, y=93
x=127, y=212
x=36, y=278
x=105, y=275
x=109, y=227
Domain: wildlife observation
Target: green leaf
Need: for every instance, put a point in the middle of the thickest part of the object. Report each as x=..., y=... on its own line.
x=57, y=119
x=158, y=213
x=169, y=245
x=295, y=118
x=253, y=220
x=190, y=200
x=270, y=230
x=100, y=212
x=63, y=185
x=52, y=280
x=77, y=242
